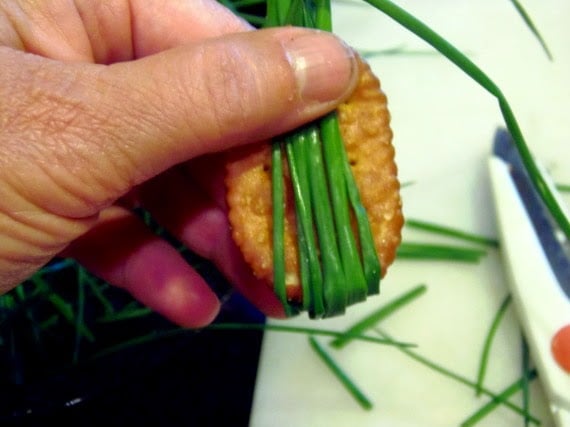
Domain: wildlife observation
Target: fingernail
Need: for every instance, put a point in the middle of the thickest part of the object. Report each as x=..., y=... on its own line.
x=325, y=67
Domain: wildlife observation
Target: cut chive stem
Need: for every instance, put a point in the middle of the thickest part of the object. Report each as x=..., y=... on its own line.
x=376, y=316
x=306, y=331
x=429, y=251
x=348, y=264
x=499, y=399
x=255, y=20
x=34, y=327
x=63, y=307
x=323, y=17
x=310, y=270
x=335, y=368
x=334, y=280
x=162, y=334
x=126, y=314
x=459, y=378
x=336, y=177
x=301, y=192
x=526, y=369
x=532, y=27
x=278, y=203
x=246, y=3
x=79, y=319
x=97, y=292
x=488, y=343
x=370, y=259
x=338, y=164
x=451, y=232
x=420, y=29
x=392, y=51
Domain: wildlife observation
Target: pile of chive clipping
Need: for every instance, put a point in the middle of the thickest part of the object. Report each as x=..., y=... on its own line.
x=42, y=309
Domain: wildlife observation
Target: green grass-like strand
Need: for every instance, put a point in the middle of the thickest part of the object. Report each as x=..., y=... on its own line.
x=342, y=376
x=417, y=27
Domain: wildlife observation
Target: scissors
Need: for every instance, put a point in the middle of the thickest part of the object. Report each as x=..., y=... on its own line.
x=537, y=260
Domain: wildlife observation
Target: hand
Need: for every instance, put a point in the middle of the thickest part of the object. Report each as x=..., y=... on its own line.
x=107, y=105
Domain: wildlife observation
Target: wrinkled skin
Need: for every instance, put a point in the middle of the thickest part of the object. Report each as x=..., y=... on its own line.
x=105, y=106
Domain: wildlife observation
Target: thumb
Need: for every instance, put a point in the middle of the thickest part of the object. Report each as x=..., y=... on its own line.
x=96, y=131
x=231, y=90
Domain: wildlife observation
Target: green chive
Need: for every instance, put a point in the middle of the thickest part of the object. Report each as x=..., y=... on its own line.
x=307, y=331
x=370, y=259
x=63, y=307
x=278, y=202
x=375, y=317
x=162, y=334
x=488, y=341
x=79, y=323
x=310, y=269
x=97, y=291
x=530, y=24
x=397, y=50
x=454, y=55
x=451, y=232
x=334, y=161
x=254, y=20
x=459, y=378
x=127, y=314
x=500, y=398
x=335, y=284
x=323, y=18
x=339, y=268
x=246, y=3
x=337, y=160
x=526, y=369
x=348, y=384
x=429, y=251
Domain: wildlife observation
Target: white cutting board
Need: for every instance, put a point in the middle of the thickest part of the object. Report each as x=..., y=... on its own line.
x=443, y=124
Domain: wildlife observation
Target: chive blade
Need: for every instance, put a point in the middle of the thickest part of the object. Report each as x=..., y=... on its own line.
x=488, y=341
x=310, y=270
x=306, y=331
x=79, y=319
x=62, y=306
x=304, y=223
x=451, y=232
x=430, y=251
x=323, y=17
x=532, y=27
x=370, y=259
x=459, y=378
x=349, y=385
x=375, y=317
x=126, y=314
x=277, y=11
x=334, y=280
x=526, y=369
x=333, y=158
x=499, y=399
x=420, y=29
x=278, y=206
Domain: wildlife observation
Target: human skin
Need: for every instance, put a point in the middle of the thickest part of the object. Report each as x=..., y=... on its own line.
x=105, y=106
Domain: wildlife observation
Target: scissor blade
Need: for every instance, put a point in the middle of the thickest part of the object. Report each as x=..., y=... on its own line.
x=554, y=244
